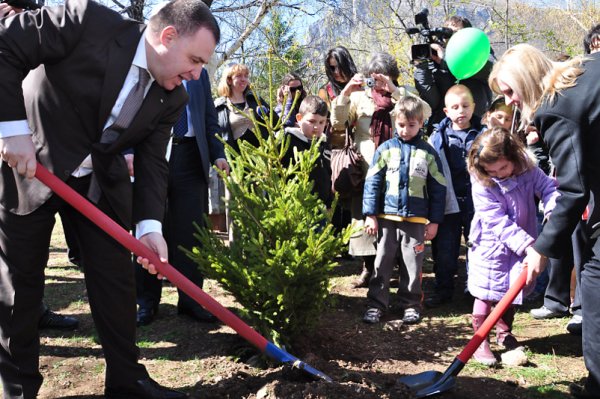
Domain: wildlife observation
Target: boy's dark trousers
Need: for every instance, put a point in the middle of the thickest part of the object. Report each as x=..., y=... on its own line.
x=445, y=250
x=408, y=237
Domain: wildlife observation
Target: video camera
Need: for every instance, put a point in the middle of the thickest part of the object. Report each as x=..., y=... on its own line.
x=24, y=4
x=429, y=35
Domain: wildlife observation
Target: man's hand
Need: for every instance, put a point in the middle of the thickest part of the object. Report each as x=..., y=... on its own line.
x=19, y=153
x=129, y=162
x=437, y=53
x=535, y=263
x=158, y=245
x=222, y=164
x=6, y=10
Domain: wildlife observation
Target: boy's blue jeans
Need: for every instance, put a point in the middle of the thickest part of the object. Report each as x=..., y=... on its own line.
x=445, y=248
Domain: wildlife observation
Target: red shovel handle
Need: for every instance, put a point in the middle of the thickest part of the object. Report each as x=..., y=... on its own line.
x=493, y=318
x=128, y=241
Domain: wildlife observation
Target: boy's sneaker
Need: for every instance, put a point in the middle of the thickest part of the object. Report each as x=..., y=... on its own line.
x=411, y=316
x=372, y=315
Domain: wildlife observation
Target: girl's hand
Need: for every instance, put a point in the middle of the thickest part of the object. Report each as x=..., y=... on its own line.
x=371, y=225
x=535, y=263
x=355, y=84
x=430, y=231
x=383, y=82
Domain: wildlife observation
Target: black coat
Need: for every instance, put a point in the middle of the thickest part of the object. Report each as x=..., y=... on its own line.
x=570, y=125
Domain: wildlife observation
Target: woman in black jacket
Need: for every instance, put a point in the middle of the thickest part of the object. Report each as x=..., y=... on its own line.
x=563, y=101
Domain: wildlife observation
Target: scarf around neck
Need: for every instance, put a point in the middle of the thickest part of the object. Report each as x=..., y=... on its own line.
x=381, y=121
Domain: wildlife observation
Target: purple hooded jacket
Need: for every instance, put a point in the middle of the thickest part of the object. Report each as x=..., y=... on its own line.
x=504, y=225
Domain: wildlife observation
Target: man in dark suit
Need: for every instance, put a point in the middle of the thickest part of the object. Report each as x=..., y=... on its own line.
x=195, y=147
x=87, y=65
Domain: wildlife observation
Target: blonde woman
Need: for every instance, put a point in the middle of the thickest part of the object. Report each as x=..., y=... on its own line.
x=562, y=100
x=236, y=101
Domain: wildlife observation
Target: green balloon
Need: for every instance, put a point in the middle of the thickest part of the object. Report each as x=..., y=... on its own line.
x=467, y=52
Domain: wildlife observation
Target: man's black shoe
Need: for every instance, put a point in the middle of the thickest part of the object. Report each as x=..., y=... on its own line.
x=146, y=389
x=197, y=313
x=437, y=300
x=145, y=315
x=579, y=391
x=51, y=320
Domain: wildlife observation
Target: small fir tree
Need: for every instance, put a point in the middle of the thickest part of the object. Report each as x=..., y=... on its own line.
x=279, y=265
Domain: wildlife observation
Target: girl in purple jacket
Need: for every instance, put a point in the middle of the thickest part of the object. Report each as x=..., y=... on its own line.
x=505, y=182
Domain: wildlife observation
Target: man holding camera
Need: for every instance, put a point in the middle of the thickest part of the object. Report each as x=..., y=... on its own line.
x=433, y=78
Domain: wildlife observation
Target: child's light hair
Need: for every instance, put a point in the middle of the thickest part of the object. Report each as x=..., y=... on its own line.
x=412, y=108
x=458, y=90
x=491, y=146
x=224, y=88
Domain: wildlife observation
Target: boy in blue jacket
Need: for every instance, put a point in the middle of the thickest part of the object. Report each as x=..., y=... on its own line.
x=403, y=203
x=452, y=139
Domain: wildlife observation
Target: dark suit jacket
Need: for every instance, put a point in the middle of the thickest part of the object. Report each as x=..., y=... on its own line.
x=205, y=122
x=84, y=52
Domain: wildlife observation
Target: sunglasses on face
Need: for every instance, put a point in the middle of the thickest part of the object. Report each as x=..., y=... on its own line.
x=334, y=68
x=296, y=88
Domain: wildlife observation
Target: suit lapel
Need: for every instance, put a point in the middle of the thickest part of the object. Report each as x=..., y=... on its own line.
x=153, y=105
x=120, y=56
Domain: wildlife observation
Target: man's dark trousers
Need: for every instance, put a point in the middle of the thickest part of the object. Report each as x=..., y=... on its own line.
x=187, y=204
x=109, y=284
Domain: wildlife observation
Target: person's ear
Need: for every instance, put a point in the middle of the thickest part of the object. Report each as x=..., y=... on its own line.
x=298, y=117
x=168, y=35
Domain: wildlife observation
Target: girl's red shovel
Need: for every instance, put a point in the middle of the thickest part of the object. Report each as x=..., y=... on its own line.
x=431, y=383
x=175, y=277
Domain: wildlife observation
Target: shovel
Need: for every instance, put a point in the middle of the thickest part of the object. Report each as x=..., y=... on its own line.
x=175, y=277
x=431, y=383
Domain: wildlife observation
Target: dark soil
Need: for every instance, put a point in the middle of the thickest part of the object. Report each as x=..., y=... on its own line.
x=364, y=361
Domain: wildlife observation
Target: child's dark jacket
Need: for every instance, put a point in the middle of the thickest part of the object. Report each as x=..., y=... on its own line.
x=321, y=174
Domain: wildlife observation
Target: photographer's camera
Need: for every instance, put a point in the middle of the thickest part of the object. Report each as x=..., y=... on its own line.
x=423, y=51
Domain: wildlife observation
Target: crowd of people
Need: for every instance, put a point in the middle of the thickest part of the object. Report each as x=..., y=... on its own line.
x=443, y=163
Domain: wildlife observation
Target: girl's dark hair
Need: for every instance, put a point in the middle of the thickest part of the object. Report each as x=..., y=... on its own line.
x=346, y=66
x=491, y=146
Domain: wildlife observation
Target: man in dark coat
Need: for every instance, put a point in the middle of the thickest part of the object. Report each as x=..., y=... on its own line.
x=195, y=148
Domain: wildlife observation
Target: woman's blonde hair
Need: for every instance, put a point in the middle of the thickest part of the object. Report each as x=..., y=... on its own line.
x=224, y=88
x=533, y=77
x=491, y=146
